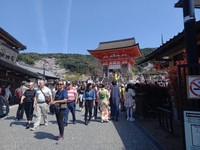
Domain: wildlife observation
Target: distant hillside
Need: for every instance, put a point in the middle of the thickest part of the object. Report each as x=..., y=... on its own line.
x=75, y=64
x=145, y=51
x=72, y=63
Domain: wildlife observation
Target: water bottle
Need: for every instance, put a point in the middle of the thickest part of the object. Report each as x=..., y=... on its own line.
x=4, y=109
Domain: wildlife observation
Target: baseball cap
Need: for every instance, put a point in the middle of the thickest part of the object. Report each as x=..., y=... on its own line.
x=68, y=82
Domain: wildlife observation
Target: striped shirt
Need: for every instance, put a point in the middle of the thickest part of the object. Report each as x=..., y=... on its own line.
x=72, y=94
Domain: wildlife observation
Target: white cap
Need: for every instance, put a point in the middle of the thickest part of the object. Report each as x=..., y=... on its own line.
x=130, y=82
x=68, y=82
x=89, y=81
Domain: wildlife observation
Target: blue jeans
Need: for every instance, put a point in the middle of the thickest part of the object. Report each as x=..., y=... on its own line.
x=72, y=107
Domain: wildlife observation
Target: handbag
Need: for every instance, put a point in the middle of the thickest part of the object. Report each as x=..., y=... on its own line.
x=54, y=108
x=47, y=98
x=63, y=106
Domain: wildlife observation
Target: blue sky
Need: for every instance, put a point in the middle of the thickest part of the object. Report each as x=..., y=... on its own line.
x=74, y=26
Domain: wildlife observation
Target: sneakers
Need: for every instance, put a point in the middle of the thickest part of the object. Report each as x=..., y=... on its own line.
x=34, y=128
x=74, y=122
x=28, y=125
x=132, y=119
x=128, y=119
x=60, y=139
x=86, y=123
x=46, y=124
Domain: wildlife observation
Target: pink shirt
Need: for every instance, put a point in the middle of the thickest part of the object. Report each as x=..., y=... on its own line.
x=72, y=93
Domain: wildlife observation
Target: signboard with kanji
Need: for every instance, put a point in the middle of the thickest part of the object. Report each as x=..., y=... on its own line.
x=192, y=129
x=193, y=87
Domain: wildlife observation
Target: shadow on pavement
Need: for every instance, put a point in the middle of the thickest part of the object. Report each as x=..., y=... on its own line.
x=53, y=122
x=21, y=123
x=44, y=135
x=10, y=118
x=77, y=122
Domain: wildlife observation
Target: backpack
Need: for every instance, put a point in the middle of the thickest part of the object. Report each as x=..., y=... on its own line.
x=18, y=93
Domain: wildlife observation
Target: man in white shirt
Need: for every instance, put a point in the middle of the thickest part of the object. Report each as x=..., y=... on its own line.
x=41, y=110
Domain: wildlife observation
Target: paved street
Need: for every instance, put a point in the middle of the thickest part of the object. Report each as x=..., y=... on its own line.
x=121, y=135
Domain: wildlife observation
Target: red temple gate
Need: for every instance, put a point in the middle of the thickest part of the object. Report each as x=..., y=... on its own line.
x=117, y=57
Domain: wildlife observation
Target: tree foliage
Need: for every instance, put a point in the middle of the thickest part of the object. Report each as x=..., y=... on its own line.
x=29, y=58
x=76, y=63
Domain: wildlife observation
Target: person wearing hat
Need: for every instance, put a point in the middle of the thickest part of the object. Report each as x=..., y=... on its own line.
x=71, y=102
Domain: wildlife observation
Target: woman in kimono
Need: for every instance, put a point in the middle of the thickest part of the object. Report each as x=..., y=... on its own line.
x=104, y=103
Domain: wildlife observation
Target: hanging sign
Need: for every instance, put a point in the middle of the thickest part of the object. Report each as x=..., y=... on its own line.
x=193, y=87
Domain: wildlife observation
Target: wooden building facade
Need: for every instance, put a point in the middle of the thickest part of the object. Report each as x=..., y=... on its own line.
x=10, y=72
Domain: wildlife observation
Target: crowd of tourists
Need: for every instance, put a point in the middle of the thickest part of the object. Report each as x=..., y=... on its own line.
x=64, y=97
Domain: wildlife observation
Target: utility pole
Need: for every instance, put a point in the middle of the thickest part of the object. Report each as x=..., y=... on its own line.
x=190, y=37
x=44, y=71
x=190, y=32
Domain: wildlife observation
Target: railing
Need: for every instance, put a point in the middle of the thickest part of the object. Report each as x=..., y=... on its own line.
x=165, y=119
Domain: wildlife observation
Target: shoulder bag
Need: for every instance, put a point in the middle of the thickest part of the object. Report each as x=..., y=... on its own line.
x=47, y=98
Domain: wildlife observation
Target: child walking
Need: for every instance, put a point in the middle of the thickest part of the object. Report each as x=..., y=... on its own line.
x=129, y=103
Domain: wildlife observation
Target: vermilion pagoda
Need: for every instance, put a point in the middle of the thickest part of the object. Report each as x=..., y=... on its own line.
x=117, y=57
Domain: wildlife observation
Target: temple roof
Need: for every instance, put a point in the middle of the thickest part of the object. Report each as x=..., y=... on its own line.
x=10, y=40
x=116, y=44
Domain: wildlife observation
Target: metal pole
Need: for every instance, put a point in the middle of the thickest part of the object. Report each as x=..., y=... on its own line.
x=191, y=48
x=43, y=71
x=190, y=32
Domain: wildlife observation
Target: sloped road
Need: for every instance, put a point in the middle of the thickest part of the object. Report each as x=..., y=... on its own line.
x=121, y=135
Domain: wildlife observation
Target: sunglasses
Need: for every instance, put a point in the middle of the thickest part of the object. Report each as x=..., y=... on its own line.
x=59, y=84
